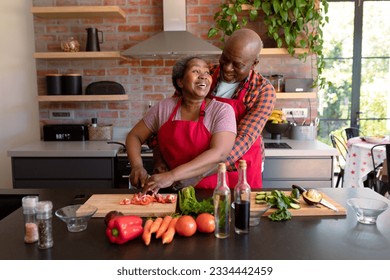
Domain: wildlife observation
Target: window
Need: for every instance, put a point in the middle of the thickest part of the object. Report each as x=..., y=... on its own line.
x=357, y=51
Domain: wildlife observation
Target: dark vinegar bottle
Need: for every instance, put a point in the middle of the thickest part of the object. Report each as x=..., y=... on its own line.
x=242, y=196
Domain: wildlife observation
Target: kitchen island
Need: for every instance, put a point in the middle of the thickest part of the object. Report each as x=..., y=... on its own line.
x=301, y=238
x=94, y=163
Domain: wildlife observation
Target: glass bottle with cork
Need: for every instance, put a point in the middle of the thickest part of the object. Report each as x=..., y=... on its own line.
x=221, y=197
x=242, y=197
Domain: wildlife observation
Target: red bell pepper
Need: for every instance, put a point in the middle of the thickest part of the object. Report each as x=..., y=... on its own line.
x=121, y=229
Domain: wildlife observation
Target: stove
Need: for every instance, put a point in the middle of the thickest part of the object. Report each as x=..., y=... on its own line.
x=277, y=146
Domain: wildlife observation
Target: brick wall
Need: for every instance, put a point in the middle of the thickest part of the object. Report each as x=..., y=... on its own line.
x=145, y=81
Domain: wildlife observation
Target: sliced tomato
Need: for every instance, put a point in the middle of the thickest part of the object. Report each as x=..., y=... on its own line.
x=125, y=201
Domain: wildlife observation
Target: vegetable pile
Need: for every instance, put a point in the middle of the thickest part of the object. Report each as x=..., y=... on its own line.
x=281, y=201
x=189, y=205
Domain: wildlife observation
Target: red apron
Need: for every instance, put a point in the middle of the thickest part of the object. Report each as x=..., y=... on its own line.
x=181, y=141
x=253, y=156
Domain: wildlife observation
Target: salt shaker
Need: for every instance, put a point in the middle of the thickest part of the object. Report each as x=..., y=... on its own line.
x=44, y=221
x=30, y=226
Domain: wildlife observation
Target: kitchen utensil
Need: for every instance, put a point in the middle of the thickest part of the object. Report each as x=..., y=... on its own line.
x=93, y=42
x=322, y=201
x=76, y=216
x=367, y=210
x=108, y=202
x=256, y=211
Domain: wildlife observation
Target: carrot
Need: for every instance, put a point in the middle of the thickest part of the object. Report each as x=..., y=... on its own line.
x=164, y=226
x=147, y=235
x=167, y=236
x=156, y=225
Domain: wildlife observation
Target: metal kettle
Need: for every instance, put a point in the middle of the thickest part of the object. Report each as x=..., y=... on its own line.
x=93, y=42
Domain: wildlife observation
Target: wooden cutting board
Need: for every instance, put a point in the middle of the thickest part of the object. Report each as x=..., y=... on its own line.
x=109, y=202
x=305, y=210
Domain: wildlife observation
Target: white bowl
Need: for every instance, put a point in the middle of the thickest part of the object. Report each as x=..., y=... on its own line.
x=367, y=210
x=77, y=216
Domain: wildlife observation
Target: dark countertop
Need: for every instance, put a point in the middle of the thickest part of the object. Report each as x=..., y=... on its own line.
x=302, y=238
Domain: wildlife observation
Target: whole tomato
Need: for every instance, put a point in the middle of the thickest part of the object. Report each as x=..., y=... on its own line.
x=186, y=226
x=205, y=223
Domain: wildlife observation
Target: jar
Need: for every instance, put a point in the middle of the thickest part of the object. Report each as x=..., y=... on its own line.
x=54, y=84
x=72, y=84
x=278, y=82
x=70, y=45
x=44, y=221
x=30, y=226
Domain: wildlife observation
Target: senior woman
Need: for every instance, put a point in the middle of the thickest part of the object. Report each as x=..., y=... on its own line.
x=194, y=132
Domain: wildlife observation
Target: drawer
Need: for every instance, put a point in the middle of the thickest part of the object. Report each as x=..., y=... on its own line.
x=305, y=168
x=63, y=168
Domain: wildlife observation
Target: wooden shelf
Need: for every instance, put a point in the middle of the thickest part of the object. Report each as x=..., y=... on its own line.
x=78, y=98
x=296, y=95
x=281, y=51
x=78, y=55
x=78, y=12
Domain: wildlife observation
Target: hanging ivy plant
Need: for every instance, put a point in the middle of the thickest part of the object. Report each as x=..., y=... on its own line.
x=290, y=23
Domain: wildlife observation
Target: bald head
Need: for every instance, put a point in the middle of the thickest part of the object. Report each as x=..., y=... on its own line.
x=240, y=55
x=246, y=40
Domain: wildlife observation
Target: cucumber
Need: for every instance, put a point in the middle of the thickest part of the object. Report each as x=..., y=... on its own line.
x=295, y=206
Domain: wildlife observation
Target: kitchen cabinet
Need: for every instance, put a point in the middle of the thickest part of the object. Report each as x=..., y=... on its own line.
x=308, y=172
x=64, y=172
x=68, y=12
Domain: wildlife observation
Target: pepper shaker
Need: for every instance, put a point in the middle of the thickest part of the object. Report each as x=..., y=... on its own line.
x=30, y=226
x=44, y=221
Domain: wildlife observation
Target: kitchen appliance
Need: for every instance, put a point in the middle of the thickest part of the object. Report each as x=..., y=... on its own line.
x=174, y=40
x=277, y=146
x=299, y=85
x=104, y=88
x=65, y=132
x=93, y=42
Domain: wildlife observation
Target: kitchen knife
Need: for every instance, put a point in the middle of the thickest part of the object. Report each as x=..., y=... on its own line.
x=322, y=201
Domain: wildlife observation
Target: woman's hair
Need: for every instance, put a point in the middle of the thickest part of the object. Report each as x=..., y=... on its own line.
x=180, y=68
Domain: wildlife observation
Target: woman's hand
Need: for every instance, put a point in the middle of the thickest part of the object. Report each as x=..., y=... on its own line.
x=159, y=181
x=138, y=176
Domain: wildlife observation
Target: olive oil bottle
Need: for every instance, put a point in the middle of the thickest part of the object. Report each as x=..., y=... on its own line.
x=221, y=199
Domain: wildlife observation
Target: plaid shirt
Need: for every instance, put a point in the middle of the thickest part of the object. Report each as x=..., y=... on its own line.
x=259, y=101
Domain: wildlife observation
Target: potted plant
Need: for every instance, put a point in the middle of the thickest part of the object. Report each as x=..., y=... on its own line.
x=290, y=23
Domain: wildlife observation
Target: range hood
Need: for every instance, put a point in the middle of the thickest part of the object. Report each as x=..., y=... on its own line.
x=174, y=41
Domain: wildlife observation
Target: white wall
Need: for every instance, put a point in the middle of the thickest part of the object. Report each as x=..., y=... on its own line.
x=19, y=120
